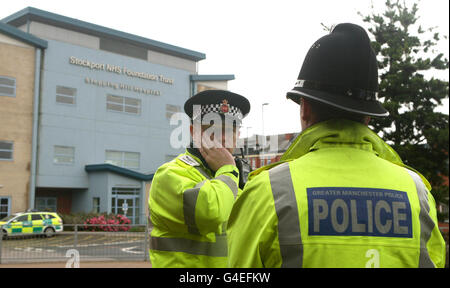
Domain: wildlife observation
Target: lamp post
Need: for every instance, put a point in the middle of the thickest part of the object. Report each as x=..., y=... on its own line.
x=247, y=144
x=262, y=122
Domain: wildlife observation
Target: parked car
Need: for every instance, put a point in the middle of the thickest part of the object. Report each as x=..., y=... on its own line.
x=32, y=223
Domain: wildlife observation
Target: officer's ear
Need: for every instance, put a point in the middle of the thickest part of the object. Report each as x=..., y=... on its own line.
x=306, y=116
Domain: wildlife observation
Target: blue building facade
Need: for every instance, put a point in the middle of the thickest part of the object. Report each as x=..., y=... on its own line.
x=105, y=102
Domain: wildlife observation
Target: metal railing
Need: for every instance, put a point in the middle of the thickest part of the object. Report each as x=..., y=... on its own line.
x=108, y=242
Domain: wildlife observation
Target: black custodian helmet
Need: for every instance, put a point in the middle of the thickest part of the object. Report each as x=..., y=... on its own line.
x=341, y=70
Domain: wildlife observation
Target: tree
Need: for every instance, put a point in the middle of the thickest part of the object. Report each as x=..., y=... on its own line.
x=405, y=52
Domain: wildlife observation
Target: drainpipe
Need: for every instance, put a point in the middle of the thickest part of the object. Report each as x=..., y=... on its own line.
x=143, y=205
x=37, y=79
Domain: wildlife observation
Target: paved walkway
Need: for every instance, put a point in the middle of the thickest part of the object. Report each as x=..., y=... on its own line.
x=86, y=264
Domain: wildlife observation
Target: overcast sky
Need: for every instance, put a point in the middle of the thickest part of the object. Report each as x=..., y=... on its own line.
x=263, y=43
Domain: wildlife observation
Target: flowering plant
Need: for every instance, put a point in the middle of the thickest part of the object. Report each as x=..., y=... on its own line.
x=107, y=223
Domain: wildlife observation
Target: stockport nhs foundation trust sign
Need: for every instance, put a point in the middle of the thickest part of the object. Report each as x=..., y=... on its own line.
x=94, y=66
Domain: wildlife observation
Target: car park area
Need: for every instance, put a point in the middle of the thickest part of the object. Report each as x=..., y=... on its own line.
x=100, y=246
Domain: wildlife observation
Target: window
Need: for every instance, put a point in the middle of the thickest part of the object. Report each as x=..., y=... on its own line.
x=22, y=218
x=123, y=104
x=96, y=205
x=7, y=86
x=6, y=150
x=5, y=207
x=46, y=204
x=130, y=160
x=126, y=201
x=36, y=217
x=66, y=95
x=171, y=109
x=64, y=155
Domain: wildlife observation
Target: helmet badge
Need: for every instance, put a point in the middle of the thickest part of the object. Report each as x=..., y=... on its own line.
x=225, y=107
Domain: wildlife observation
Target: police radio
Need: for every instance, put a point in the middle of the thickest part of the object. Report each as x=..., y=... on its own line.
x=244, y=169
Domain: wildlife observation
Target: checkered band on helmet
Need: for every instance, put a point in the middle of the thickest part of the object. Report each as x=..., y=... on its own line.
x=217, y=108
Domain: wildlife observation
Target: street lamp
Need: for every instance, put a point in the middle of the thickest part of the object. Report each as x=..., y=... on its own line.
x=246, y=146
x=262, y=122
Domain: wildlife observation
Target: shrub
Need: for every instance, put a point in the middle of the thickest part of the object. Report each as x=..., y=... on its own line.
x=96, y=219
x=76, y=218
x=111, y=219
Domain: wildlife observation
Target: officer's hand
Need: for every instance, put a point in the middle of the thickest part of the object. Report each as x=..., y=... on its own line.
x=217, y=157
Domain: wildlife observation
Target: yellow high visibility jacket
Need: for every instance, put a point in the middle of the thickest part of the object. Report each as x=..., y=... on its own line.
x=189, y=207
x=341, y=197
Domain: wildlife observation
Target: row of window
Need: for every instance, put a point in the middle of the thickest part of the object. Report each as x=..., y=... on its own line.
x=124, y=201
x=46, y=204
x=68, y=95
x=42, y=204
x=120, y=196
x=66, y=155
x=115, y=103
x=130, y=196
x=117, y=205
x=130, y=160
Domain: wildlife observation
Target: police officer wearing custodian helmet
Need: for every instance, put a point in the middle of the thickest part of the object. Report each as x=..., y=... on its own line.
x=191, y=196
x=340, y=196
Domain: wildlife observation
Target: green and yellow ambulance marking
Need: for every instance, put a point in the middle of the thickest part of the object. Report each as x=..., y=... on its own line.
x=30, y=227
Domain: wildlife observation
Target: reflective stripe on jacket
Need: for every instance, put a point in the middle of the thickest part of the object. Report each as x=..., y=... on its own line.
x=189, y=208
x=342, y=198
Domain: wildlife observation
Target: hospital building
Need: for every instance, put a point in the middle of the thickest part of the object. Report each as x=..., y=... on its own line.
x=84, y=113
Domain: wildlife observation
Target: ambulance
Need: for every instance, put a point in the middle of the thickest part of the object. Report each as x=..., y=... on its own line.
x=31, y=223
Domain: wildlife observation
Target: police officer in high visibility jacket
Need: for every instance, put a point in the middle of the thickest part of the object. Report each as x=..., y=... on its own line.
x=340, y=196
x=191, y=196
